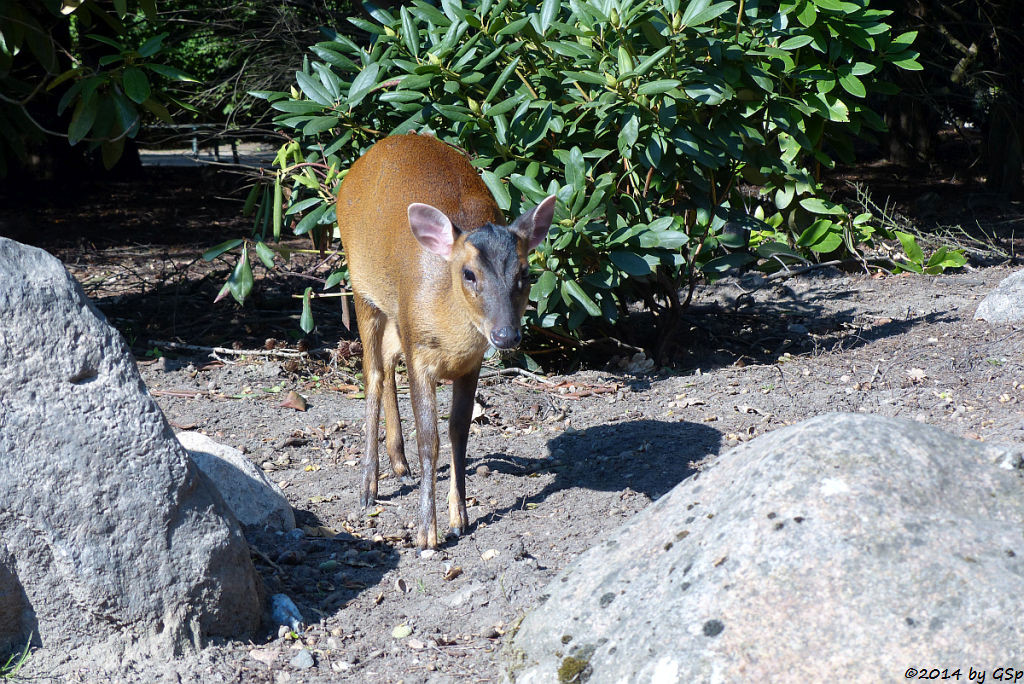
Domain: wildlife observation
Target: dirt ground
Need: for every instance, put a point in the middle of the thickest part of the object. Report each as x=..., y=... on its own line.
x=555, y=463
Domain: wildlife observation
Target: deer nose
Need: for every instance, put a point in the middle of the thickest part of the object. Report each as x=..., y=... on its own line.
x=506, y=338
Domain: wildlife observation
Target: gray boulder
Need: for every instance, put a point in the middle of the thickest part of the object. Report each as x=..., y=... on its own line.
x=254, y=499
x=1005, y=304
x=113, y=546
x=848, y=547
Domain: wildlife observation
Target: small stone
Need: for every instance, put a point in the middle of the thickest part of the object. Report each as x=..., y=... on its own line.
x=483, y=471
x=267, y=656
x=303, y=660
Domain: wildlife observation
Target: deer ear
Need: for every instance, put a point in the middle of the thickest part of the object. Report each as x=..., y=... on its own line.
x=533, y=225
x=432, y=229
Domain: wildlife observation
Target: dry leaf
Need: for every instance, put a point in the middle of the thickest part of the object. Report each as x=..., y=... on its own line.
x=294, y=400
x=489, y=554
x=452, y=573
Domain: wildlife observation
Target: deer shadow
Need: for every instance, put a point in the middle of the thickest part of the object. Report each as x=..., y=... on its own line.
x=649, y=457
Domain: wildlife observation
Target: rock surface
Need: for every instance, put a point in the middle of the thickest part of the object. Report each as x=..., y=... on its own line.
x=1005, y=304
x=113, y=546
x=255, y=500
x=848, y=546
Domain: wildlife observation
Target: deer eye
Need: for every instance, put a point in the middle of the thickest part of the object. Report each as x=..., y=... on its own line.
x=468, y=275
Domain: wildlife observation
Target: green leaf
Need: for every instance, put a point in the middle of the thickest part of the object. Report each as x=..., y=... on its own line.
x=310, y=220
x=265, y=253
x=362, y=84
x=306, y=320
x=501, y=80
x=816, y=205
x=544, y=286
x=498, y=189
x=725, y=262
x=319, y=124
x=656, y=87
x=334, y=279
x=628, y=133
x=302, y=205
x=573, y=290
x=241, y=281
x=152, y=46
x=699, y=12
x=853, y=85
x=575, y=171
x=910, y=247
x=409, y=32
x=312, y=88
x=816, y=232
x=82, y=119
x=907, y=61
x=216, y=251
x=904, y=40
x=630, y=262
x=796, y=42
x=648, y=63
x=278, y=202
x=513, y=27
x=548, y=13
x=829, y=243
x=170, y=72
x=136, y=85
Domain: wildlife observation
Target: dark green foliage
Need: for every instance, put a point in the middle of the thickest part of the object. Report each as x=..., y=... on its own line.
x=81, y=68
x=655, y=123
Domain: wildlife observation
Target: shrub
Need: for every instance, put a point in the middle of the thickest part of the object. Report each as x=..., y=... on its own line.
x=659, y=125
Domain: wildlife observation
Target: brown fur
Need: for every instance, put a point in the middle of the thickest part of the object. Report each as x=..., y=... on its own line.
x=409, y=300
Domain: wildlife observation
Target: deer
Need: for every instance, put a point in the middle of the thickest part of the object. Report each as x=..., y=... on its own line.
x=437, y=277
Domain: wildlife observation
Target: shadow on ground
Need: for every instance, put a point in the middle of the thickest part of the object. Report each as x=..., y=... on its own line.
x=646, y=456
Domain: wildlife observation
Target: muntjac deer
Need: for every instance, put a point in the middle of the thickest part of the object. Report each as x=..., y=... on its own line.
x=436, y=276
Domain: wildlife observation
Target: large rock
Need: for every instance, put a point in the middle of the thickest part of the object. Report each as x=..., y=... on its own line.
x=112, y=544
x=254, y=499
x=1005, y=304
x=848, y=547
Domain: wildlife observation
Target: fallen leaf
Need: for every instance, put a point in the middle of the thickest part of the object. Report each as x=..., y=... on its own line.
x=401, y=631
x=294, y=400
x=452, y=573
x=489, y=554
x=319, y=531
x=916, y=374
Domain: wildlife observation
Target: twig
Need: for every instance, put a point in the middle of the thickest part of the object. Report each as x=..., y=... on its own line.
x=277, y=353
x=516, y=371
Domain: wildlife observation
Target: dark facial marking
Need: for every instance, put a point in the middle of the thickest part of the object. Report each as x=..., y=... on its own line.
x=498, y=251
